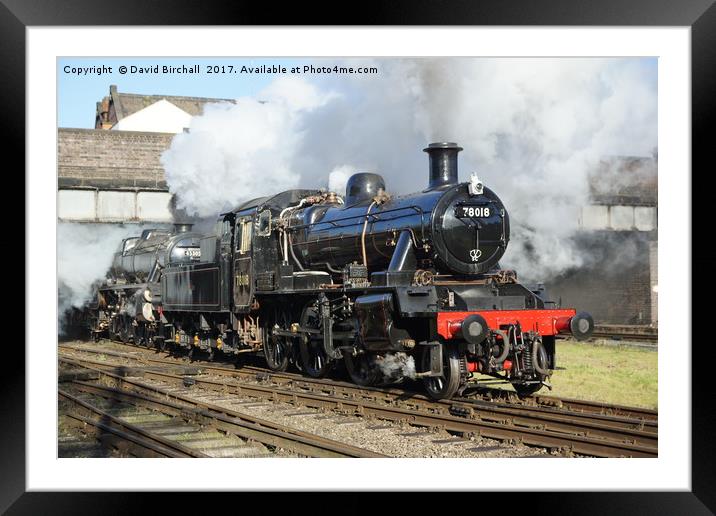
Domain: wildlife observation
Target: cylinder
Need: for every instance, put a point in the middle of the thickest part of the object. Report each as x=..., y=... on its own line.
x=443, y=164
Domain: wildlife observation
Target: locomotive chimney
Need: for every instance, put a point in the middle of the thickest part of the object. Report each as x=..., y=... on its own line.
x=182, y=227
x=443, y=164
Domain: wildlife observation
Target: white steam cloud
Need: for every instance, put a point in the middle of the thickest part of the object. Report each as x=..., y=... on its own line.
x=532, y=129
x=234, y=152
x=339, y=176
x=396, y=366
x=84, y=256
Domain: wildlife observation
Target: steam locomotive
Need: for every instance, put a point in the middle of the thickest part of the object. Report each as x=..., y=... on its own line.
x=392, y=286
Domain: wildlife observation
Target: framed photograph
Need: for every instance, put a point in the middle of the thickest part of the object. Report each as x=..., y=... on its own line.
x=337, y=201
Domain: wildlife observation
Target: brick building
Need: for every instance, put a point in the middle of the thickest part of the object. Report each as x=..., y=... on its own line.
x=111, y=159
x=107, y=176
x=618, y=283
x=112, y=173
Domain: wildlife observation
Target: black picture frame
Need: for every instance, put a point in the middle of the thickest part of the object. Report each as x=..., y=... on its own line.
x=700, y=15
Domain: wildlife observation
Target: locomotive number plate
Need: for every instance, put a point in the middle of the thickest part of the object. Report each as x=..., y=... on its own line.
x=469, y=212
x=192, y=253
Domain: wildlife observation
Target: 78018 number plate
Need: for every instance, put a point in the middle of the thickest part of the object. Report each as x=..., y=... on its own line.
x=467, y=211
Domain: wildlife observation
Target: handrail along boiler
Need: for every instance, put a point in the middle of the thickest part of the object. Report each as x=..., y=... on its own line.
x=393, y=286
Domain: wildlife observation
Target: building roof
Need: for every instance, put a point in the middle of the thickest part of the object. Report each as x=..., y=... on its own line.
x=118, y=105
x=160, y=117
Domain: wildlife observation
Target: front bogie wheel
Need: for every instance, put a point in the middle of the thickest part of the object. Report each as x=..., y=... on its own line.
x=542, y=372
x=444, y=386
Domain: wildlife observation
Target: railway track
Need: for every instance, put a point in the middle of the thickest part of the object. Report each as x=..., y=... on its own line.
x=156, y=422
x=584, y=428
x=636, y=416
x=111, y=425
x=626, y=333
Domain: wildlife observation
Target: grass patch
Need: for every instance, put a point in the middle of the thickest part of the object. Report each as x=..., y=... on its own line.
x=610, y=374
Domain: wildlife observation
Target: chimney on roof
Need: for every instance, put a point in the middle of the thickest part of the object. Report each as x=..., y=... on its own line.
x=103, y=114
x=105, y=109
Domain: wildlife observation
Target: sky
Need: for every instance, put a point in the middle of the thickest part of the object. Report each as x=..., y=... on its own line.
x=78, y=94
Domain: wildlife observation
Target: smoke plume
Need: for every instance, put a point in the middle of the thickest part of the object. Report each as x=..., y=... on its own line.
x=84, y=256
x=532, y=129
x=235, y=152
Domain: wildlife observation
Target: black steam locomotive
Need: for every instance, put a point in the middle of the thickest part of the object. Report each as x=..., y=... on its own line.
x=393, y=286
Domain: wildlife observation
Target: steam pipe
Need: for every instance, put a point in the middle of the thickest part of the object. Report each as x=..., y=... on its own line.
x=293, y=254
x=403, y=256
x=362, y=236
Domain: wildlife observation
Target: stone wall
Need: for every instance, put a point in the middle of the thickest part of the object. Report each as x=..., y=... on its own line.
x=111, y=159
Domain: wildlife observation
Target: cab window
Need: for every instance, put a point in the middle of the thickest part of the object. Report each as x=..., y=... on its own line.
x=243, y=235
x=264, y=222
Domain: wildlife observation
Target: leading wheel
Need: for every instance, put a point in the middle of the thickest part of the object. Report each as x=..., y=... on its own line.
x=314, y=361
x=542, y=372
x=444, y=386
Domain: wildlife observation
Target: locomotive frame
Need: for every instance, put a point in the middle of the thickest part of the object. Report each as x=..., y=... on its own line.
x=390, y=286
